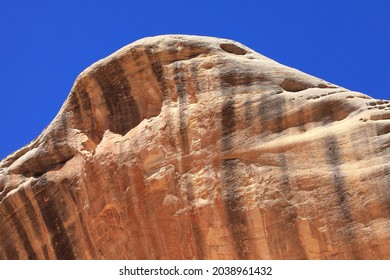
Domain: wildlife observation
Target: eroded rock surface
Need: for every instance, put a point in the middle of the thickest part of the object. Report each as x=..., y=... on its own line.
x=185, y=147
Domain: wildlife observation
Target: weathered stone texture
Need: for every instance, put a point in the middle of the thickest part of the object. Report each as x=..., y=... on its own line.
x=185, y=147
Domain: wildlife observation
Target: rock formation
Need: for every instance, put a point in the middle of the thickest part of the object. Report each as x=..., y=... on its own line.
x=186, y=147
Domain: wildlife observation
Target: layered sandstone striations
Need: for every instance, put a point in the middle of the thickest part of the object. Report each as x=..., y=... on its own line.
x=184, y=147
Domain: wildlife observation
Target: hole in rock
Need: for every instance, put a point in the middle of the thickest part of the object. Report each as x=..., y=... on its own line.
x=293, y=85
x=234, y=49
x=208, y=65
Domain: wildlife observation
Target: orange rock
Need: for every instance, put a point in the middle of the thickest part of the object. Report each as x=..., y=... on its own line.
x=185, y=147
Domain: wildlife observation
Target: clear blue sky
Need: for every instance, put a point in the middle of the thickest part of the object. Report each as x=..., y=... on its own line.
x=44, y=45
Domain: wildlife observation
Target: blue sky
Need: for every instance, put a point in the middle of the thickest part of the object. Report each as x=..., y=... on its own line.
x=44, y=45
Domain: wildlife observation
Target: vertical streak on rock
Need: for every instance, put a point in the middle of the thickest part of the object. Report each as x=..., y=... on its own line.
x=6, y=238
x=271, y=111
x=2, y=251
x=158, y=71
x=236, y=218
x=180, y=83
x=301, y=116
x=87, y=116
x=137, y=238
x=85, y=100
x=248, y=111
x=358, y=140
x=273, y=115
x=75, y=108
x=334, y=160
x=228, y=124
x=87, y=236
x=81, y=105
x=20, y=230
x=67, y=186
x=195, y=79
x=293, y=244
x=31, y=214
x=45, y=252
x=383, y=130
x=156, y=237
x=116, y=91
x=48, y=208
x=183, y=117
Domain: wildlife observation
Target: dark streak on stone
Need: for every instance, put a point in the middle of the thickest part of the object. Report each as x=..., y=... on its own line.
x=334, y=160
x=236, y=79
x=329, y=111
x=324, y=114
x=173, y=51
x=6, y=241
x=293, y=242
x=2, y=253
x=284, y=168
x=32, y=216
x=74, y=107
x=136, y=53
x=87, y=236
x=73, y=195
x=199, y=241
x=20, y=230
x=382, y=128
x=249, y=116
x=77, y=116
x=64, y=123
x=116, y=91
x=194, y=77
x=301, y=119
x=50, y=214
x=181, y=90
x=236, y=218
x=74, y=102
x=158, y=71
x=81, y=107
x=271, y=112
x=228, y=124
x=233, y=206
x=45, y=252
x=180, y=83
x=87, y=114
x=85, y=100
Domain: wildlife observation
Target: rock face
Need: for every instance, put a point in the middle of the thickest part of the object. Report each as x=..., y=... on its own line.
x=185, y=147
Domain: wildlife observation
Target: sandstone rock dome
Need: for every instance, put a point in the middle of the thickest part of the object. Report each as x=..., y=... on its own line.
x=188, y=147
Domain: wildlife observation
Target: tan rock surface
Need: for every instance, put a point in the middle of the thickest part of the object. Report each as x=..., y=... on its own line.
x=185, y=147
